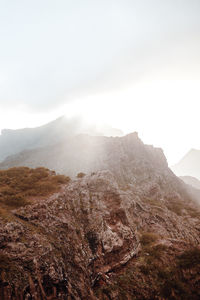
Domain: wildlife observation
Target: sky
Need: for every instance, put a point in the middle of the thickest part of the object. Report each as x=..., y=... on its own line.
x=132, y=64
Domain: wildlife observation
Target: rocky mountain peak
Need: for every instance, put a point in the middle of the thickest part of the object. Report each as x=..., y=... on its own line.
x=129, y=229
x=79, y=241
x=83, y=153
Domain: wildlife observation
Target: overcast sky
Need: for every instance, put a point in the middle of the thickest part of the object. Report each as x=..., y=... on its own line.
x=133, y=64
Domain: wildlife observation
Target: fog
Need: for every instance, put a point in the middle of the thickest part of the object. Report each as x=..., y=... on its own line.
x=134, y=65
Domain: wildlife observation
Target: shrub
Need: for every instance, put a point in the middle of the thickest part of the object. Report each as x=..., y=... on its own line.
x=189, y=258
x=61, y=179
x=5, y=262
x=172, y=287
x=148, y=238
x=157, y=251
x=80, y=175
x=92, y=240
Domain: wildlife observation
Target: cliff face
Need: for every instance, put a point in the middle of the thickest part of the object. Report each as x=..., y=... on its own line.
x=130, y=232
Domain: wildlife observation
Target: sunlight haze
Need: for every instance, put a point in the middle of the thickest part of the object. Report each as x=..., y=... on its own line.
x=134, y=65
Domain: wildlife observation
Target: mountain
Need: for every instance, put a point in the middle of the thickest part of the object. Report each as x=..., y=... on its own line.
x=189, y=165
x=84, y=153
x=129, y=230
x=191, y=181
x=15, y=141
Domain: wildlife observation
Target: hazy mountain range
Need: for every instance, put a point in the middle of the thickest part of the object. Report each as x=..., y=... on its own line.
x=15, y=141
x=194, y=182
x=189, y=165
x=70, y=146
x=84, y=153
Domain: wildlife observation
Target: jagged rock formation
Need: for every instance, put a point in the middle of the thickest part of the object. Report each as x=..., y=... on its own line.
x=129, y=232
x=189, y=165
x=15, y=141
x=126, y=156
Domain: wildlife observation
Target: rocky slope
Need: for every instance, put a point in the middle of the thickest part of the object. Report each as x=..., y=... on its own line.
x=189, y=165
x=129, y=232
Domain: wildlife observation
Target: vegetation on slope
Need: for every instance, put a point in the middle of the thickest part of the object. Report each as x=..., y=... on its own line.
x=158, y=272
x=19, y=185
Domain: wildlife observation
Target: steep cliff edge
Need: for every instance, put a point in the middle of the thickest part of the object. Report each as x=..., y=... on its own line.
x=129, y=232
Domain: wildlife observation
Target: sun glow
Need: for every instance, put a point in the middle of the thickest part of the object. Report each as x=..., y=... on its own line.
x=140, y=106
x=158, y=110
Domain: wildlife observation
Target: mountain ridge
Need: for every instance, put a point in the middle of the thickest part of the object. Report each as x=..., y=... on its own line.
x=91, y=240
x=84, y=153
x=194, y=182
x=128, y=229
x=189, y=165
x=15, y=141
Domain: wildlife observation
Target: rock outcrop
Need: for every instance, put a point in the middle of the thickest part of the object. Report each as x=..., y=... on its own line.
x=129, y=232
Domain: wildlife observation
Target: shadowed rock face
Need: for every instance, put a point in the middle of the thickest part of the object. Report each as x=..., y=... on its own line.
x=114, y=234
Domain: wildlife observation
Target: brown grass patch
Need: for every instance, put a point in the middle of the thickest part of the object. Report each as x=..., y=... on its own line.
x=18, y=185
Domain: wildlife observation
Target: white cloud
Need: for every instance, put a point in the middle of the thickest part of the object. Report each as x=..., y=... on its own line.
x=134, y=64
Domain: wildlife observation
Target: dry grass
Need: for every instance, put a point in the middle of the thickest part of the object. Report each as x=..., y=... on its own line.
x=189, y=258
x=148, y=238
x=18, y=185
x=80, y=175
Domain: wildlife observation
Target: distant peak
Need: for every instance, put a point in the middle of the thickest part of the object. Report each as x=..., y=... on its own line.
x=192, y=152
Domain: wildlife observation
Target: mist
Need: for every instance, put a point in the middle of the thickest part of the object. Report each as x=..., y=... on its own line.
x=99, y=100
x=133, y=65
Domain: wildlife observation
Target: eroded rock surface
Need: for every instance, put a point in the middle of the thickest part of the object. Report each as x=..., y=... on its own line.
x=105, y=236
